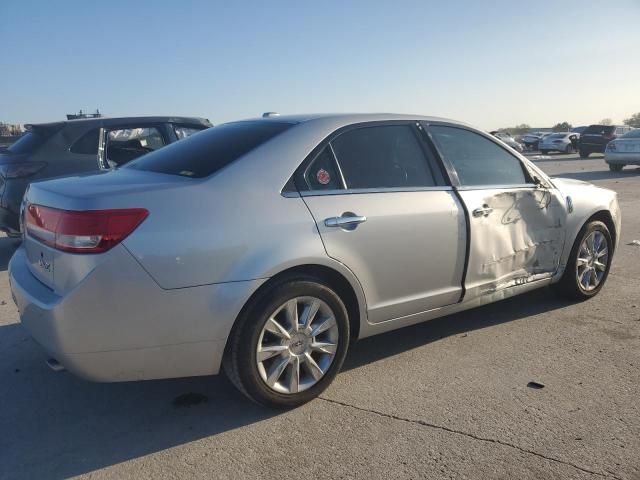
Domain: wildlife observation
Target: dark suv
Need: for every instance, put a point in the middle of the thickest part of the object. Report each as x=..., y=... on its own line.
x=594, y=138
x=80, y=146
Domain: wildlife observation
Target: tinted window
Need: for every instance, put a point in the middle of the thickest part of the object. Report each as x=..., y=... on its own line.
x=599, y=130
x=382, y=157
x=201, y=155
x=321, y=173
x=478, y=160
x=28, y=142
x=87, y=144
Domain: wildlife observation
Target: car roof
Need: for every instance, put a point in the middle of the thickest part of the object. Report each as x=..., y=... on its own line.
x=114, y=121
x=347, y=118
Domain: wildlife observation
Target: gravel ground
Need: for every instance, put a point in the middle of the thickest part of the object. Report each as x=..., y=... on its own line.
x=445, y=399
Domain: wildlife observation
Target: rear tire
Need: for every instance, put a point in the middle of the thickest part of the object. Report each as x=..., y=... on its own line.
x=584, y=154
x=616, y=167
x=288, y=378
x=544, y=152
x=589, y=262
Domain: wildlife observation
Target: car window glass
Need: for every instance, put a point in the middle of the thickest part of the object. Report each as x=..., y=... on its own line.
x=387, y=156
x=87, y=144
x=183, y=132
x=477, y=160
x=322, y=173
x=204, y=154
x=126, y=144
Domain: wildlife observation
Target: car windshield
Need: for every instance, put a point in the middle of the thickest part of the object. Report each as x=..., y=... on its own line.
x=599, y=129
x=207, y=152
x=632, y=134
x=28, y=142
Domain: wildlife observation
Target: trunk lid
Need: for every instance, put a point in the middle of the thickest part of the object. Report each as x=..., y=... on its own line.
x=127, y=188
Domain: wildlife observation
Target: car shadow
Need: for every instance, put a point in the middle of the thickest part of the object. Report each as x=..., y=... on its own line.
x=7, y=247
x=58, y=426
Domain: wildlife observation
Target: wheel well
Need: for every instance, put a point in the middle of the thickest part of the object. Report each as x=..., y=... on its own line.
x=605, y=217
x=329, y=277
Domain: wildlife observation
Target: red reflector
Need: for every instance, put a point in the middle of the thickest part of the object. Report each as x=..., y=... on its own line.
x=91, y=231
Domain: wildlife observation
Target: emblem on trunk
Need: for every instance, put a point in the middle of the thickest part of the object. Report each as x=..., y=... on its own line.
x=43, y=263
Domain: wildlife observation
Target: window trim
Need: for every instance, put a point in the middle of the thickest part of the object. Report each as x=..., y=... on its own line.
x=453, y=173
x=428, y=152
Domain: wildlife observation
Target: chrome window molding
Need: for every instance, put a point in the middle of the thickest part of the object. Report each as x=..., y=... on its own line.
x=530, y=186
x=356, y=191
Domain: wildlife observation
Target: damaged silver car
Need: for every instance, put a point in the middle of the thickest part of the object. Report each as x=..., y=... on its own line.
x=265, y=247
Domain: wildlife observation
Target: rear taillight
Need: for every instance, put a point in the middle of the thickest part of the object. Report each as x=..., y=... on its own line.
x=91, y=231
x=611, y=146
x=608, y=136
x=22, y=169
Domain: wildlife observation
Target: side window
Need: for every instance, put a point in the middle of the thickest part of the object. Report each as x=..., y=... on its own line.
x=477, y=160
x=126, y=144
x=387, y=156
x=87, y=144
x=322, y=174
x=184, y=132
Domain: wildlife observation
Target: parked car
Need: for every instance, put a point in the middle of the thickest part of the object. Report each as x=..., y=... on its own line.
x=623, y=151
x=566, y=142
x=531, y=140
x=79, y=146
x=509, y=140
x=595, y=138
x=266, y=246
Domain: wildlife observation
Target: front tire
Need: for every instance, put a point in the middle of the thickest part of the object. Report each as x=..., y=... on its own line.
x=584, y=154
x=616, y=167
x=289, y=343
x=589, y=262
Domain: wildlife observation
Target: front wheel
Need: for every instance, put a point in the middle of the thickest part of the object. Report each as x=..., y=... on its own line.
x=584, y=154
x=589, y=262
x=289, y=343
x=616, y=167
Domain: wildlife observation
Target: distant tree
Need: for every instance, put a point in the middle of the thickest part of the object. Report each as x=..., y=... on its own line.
x=606, y=121
x=517, y=130
x=562, y=127
x=634, y=121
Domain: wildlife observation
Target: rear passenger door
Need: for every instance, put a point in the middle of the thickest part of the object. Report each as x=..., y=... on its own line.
x=516, y=224
x=383, y=208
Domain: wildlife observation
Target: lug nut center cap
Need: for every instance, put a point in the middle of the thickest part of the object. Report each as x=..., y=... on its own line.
x=298, y=344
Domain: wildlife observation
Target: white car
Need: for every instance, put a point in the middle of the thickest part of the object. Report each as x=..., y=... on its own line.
x=623, y=151
x=509, y=140
x=565, y=142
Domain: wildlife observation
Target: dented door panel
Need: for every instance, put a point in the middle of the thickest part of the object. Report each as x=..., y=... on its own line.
x=517, y=236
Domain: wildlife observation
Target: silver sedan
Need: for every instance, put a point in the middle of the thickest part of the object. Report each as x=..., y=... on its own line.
x=566, y=142
x=265, y=247
x=623, y=151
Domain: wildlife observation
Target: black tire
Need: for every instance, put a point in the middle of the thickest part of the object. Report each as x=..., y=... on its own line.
x=239, y=362
x=616, y=167
x=544, y=152
x=584, y=154
x=568, y=286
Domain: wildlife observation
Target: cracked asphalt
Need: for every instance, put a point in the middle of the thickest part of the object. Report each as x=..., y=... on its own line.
x=445, y=399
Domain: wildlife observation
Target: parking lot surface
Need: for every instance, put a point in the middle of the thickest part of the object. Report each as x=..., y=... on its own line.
x=444, y=399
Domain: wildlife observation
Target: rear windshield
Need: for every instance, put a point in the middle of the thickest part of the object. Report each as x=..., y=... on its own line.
x=208, y=151
x=632, y=134
x=28, y=142
x=599, y=129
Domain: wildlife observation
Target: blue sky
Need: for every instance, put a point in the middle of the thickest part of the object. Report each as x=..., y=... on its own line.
x=491, y=64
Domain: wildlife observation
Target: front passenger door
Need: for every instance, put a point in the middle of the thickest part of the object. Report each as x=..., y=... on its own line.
x=383, y=209
x=516, y=226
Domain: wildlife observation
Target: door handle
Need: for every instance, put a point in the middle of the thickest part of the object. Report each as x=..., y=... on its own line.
x=483, y=211
x=348, y=221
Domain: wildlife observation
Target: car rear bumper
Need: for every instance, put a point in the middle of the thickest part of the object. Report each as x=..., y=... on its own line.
x=627, y=158
x=129, y=330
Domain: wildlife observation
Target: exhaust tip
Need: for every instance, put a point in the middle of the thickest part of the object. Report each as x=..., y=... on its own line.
x=54, y=365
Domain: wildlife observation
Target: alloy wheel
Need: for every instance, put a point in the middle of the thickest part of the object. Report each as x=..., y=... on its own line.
x=297, y=345
x=592, y=261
